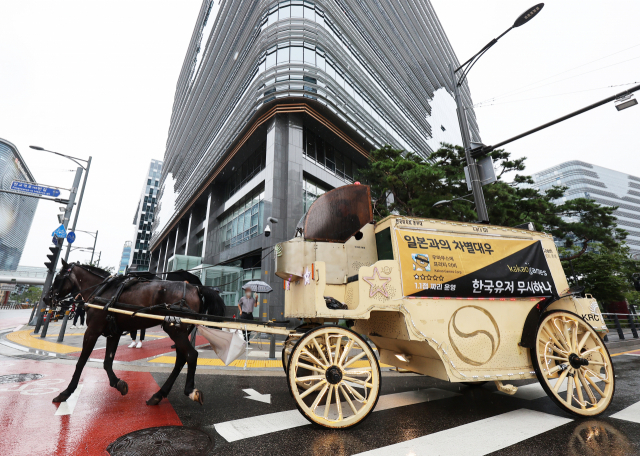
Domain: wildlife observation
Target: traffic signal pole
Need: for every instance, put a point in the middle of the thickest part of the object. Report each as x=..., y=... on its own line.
x=55, y=251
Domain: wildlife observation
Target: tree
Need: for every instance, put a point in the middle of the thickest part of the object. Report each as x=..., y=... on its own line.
x=605, y=272
x=33, y=293
x=404, y=183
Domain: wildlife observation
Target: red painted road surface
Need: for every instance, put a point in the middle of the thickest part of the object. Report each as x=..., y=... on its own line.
x=29, y=426
x=148, y=349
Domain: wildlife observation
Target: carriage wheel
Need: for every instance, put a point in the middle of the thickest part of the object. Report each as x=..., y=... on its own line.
x=572, y=364
x=334, y=377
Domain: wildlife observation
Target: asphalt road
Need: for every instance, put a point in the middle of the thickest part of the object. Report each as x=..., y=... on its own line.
x=438, y=418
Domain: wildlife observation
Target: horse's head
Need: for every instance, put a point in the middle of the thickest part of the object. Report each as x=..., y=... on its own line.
x=64, y=283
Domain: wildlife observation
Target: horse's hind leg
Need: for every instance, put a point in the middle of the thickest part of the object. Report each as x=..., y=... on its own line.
x=168, y=384
x=110, y=354
x=183, y=344
x=90, y=337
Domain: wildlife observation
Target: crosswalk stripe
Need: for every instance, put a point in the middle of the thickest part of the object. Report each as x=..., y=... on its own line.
x=280, y=421
x=631, y=413
x=477, y=438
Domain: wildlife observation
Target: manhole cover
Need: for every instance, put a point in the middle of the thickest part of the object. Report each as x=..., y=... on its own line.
x=19, y=378
x=165, y=440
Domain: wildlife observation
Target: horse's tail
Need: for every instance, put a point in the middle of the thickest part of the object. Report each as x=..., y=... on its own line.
x=213, y=303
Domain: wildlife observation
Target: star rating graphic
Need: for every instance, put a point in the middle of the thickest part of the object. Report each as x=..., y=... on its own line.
x=378, y=284
x=435, y=278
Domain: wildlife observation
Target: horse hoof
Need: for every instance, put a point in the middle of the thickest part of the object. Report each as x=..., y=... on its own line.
x=197, y=396
x=122, y=387
x=155, y=399
x=62, y=397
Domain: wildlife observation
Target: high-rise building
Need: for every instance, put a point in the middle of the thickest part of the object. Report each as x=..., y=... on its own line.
x=125, y=258
x=16, y=212
x=604, y=186
x=144, y=217
x=278, y=102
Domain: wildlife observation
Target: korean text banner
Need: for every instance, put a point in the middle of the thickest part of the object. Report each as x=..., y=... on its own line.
x=465, y=266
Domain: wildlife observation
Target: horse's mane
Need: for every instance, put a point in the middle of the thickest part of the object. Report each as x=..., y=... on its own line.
x=97, y=271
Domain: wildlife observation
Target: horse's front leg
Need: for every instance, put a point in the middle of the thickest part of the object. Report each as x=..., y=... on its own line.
x=184, y=347
x=181, y=359
x=110, y=354
x=95, y=327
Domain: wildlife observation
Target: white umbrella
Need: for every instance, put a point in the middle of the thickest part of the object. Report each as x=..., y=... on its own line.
x=258, y=286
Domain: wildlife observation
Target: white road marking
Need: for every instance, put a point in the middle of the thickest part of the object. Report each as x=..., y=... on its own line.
x=631, y=354
x=18, y=328
x=66, y=408
x=280, y=421
x=631, y=413
x=256, y=396
x=477, y=438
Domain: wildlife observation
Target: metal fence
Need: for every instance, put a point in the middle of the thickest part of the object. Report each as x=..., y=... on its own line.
x=13, y=305
x=625, y=325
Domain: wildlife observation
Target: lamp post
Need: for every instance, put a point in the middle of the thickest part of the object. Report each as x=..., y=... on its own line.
x=84, y=185
x=474, y=175
x=95, y=239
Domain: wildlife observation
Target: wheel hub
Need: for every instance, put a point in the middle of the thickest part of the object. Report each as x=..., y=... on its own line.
x=334, y=375
x=576, y=362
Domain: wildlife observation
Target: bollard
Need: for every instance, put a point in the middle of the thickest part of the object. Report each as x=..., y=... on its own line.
x=618, y=327
x=31, y=321
x=63, y=328
x=46, y=325
x=606, y=338
x=633, y=326
x=40, y=320
x=272, y=347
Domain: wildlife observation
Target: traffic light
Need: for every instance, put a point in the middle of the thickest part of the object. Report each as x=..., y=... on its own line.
x=53, y=257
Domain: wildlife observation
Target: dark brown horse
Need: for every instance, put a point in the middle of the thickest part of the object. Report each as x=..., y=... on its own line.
x=85, y=280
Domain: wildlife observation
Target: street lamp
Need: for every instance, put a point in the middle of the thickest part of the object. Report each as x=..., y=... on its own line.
x=443, y=202
x=474, y=175
x=84, y=184
x=95, y=239
x=626, y=101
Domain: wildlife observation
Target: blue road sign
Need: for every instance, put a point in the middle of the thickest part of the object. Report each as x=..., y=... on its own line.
x=54, y=240
x=60, y=232
x=34, y=189
x=71, y=237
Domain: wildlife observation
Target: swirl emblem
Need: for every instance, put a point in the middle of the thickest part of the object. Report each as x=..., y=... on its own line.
x=494, y=339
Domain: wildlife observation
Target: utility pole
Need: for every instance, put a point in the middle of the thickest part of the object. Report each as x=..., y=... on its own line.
x=56, y=253
x=474, y=175
x=75, y=219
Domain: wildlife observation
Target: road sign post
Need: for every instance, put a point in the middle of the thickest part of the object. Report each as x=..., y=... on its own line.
x=54, y=260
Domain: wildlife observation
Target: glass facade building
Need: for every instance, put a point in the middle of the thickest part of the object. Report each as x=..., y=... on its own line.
x=16, y=212
x=125, y=258
x=279, y=102
x=144, y=217
x=604, y=186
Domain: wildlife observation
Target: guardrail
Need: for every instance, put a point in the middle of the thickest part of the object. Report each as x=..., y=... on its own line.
x=626, y=325
x=13, y=305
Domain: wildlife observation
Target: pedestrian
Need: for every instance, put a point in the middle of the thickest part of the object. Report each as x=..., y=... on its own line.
x=246, y=305
x=79, y=313
x=134, y=333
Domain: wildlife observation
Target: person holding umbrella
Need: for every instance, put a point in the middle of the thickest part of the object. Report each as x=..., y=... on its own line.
x=250, y=301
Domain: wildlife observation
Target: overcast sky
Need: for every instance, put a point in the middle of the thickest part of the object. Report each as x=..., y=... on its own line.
x=98, y=78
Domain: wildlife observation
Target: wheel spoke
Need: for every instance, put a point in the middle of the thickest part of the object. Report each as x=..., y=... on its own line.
x=312, y=389
x=597, y=363
x=346, y=351
x=346, y=396
x=338, y=402
x=327, y=404
x=354, y=359
x=565, y=335
x=596, y=387
x=328, y=345
x=310, y=377
x=359, y=370
x=358, y=381
x=574, y=338
x=558, y=358
x=338, y=346
x=355, y=394
x=563, y=375
x=313, y=358
x=317, y=345
x=583, y=341
x=587, y=389
x=310, y=367
x=556, y=368
x=570, y=391
x=555, y=340
x=598, y=348
x=314, y=406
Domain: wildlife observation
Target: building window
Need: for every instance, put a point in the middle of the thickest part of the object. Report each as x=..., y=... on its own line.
x=325, y=155
x=311, y=191
x=243, y=221
x=247, y=170
x=199, y=243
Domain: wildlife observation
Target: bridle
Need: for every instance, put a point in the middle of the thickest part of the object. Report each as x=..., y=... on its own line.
x=54, y=292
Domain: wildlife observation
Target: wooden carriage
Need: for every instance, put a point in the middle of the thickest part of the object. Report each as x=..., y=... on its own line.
x=461, y=302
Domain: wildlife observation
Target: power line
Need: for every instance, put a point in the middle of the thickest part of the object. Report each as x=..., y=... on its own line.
x=519, y=90
x=556, y=95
